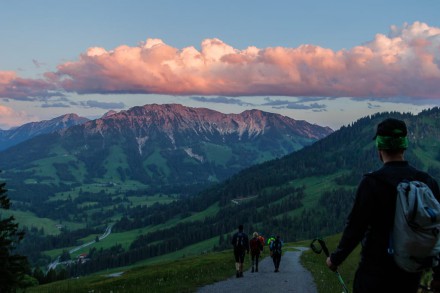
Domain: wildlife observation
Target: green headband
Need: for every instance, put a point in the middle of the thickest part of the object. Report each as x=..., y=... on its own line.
x=391, y=143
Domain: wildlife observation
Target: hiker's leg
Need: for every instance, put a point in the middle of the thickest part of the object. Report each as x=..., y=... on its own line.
x=256, y=262
x=277, y=258
x=242, y=255
x=237, y=263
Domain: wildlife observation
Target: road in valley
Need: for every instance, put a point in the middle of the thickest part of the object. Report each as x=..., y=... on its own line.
x=56, y=262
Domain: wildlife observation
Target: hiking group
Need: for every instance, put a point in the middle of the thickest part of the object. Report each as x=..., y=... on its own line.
x=255, y=247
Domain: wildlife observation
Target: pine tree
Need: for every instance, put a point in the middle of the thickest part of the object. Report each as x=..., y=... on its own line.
x=12, y=266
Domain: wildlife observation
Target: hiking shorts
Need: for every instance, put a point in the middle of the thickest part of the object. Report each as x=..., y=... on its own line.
x=239, y=255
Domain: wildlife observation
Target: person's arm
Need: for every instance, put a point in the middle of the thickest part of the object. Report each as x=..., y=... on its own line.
x=356, y=225
x=435, y=282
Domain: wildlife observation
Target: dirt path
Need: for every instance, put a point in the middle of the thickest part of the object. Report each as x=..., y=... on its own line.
x=293, y=277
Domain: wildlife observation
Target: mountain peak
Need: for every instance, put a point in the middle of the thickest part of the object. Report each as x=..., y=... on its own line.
x=109, y=113
x=175, y=119
x=29, y=130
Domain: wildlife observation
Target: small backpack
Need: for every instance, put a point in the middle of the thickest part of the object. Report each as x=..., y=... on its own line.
x=239, y=243
x=255, y=245
x=415, y=239
x=276, y=246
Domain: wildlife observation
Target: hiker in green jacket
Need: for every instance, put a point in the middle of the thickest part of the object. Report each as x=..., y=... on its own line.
x=371, y=219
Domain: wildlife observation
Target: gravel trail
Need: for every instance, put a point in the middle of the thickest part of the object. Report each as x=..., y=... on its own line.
x=293, y=277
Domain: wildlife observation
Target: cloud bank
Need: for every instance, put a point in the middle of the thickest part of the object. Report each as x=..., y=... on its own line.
x=10, y=117
x=405, y=63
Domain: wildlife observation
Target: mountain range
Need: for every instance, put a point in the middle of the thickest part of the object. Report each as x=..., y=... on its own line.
x=305, y=194
x=159, y=149
x=27, y=131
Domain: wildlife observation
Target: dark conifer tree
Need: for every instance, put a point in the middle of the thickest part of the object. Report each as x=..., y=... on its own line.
x=12, y=266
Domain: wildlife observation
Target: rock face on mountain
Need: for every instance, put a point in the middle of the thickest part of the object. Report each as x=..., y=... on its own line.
x=19, y=134
x=179, y=126
x=167, y=144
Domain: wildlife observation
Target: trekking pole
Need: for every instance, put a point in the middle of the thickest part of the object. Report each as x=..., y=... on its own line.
x=323, y=247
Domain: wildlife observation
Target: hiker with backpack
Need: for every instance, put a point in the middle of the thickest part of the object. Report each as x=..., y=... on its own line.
x=240, y=241
x=376, y=222
x=256, y=248
x=276, y=252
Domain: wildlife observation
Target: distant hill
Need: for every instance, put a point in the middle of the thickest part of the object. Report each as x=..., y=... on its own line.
x=22, y=133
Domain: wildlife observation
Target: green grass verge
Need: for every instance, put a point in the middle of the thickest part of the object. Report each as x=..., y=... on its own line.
x=326, y=280
x=185, y=275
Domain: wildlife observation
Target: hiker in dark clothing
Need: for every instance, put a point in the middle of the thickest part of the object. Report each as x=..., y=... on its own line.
x=276, y=250
x=256, y=248
x=240, y=241
x=372, y=216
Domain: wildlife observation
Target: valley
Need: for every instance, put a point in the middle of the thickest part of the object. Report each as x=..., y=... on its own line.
x=300, y=195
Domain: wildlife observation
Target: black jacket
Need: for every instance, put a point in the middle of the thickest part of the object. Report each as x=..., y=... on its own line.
x=371, y=218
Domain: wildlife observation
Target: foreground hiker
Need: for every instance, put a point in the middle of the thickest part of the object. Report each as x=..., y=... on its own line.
x=371, y=219
x=256, y=249
x=276, y=252
x=240, y=241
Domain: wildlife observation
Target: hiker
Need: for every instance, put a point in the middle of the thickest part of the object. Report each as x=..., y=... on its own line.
x=371, y=219
x=256, y=249
x=240, y=241
x=276, y=251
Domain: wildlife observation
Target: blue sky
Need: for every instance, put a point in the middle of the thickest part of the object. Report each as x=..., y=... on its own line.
x=327, y=62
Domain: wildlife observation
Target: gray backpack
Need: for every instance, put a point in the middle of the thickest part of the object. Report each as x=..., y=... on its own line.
x=415, y=239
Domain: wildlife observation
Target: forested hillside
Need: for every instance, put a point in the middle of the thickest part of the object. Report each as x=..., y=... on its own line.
x=303, y=195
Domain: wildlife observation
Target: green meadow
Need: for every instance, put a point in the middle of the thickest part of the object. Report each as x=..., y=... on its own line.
x=189, y=269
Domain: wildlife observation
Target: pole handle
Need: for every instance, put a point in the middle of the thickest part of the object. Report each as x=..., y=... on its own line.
x=319, y=247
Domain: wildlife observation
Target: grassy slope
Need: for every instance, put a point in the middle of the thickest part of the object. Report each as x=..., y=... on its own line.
x=179, y=273
x=187, y=270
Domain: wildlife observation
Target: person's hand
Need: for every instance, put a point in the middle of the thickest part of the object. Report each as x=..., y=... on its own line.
x=330, y=265
x=435, y=285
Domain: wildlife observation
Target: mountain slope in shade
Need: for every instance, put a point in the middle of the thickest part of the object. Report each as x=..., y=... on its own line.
x=22, y=133
x=163, y=145
x=304, y=194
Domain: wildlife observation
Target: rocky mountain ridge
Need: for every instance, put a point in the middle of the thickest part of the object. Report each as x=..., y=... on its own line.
x=26, y=131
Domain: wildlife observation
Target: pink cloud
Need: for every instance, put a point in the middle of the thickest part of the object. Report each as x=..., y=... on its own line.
x=14, y=87
x=405, y=63
x=10, y=117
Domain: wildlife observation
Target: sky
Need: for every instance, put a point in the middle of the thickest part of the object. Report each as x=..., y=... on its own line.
x=326, y=62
